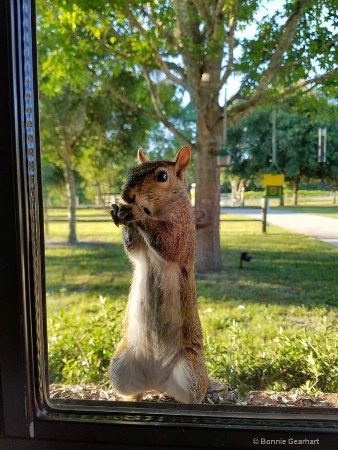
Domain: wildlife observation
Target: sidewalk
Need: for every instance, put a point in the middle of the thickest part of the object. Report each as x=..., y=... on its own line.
x=322, y=228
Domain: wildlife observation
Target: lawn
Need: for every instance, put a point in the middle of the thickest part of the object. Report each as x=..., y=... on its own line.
x=328, y=211
x=270, y=325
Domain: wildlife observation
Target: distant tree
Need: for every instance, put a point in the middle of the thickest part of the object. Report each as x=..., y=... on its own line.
x=328, y=171
x=113, y=134
x=62, y=125
x=296, y=142
x=89, y=135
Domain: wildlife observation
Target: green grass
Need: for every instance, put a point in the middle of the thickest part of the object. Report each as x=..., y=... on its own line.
x=271, y=325
x=327, y=211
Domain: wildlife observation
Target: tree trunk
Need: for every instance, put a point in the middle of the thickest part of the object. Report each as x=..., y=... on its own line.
x=295, y=192
x=281, y=199
x=208, y=251
x=334, y=193
x=71, y=194
x=101, y=195
x=207, y=200
x=241, y=190
x=203, y=83
x=233, y=183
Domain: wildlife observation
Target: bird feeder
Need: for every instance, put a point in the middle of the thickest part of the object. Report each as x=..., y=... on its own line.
x=223, y=158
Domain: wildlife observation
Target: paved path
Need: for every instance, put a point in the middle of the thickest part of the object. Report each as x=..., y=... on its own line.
x=323, y=228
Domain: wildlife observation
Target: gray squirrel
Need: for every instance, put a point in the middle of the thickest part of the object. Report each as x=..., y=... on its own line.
x=162, y=344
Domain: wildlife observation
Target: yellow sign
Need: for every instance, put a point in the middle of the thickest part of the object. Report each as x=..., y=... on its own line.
x=273, y=180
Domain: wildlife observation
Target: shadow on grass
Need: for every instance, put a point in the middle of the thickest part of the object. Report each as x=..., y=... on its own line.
x=271, y=277
x=93, y=268
x=279, y=278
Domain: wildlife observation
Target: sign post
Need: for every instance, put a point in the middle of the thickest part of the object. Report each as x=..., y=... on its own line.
x=273, y=189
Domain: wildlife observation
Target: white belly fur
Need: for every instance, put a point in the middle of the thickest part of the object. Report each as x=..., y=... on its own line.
x=154, y=309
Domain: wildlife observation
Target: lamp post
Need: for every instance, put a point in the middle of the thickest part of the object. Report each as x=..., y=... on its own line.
x=224, y=155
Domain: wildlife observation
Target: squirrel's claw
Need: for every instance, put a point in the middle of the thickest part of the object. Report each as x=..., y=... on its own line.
x=114, y=214
x=122, y=214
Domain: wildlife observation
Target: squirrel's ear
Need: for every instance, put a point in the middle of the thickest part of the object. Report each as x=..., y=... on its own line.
x=182, y=159
x=141, y=156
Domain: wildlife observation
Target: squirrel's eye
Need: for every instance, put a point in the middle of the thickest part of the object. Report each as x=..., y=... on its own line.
x=162, y=176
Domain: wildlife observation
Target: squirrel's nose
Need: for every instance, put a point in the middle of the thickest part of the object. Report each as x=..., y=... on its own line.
x=128, y=196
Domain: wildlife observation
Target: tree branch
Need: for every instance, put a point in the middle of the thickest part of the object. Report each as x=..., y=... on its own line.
x=245, y=109
x=311, y=84
x=308, y=57
x=136, y=107
x=157, y=106
x=283, y=44
x=203, y=8
x=231, y=42
x=158, y=58
x=153, y=19
x=219, y=7
x=153, y=95
x=190, y=40
x=286, y=67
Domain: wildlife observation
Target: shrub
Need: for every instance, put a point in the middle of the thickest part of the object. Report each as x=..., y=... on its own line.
x=80, y=347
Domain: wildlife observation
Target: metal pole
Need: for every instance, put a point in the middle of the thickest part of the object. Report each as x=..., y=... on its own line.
x=322, y=144
x=264, y=213
x=274, y=155
x=225, y=119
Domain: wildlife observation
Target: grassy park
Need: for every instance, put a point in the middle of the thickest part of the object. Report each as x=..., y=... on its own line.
x=271, y=325
x=327, y=211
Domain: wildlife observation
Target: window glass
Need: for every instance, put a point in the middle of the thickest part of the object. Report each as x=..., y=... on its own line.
x=260, y=115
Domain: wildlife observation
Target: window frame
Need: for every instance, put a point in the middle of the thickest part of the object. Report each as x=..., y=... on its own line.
x=27, y=416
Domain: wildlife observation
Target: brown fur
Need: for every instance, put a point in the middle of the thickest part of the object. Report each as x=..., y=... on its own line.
x=162, y=346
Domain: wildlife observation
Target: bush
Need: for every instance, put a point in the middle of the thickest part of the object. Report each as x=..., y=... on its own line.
x=79, y=349
x=308, y=360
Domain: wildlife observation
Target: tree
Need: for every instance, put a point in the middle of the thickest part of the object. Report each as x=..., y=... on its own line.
x=112, y=131
x=87, y=135
x=197, y=46
x=296, y=142
x=297, y=148
x=328, y=171
x=63, y=123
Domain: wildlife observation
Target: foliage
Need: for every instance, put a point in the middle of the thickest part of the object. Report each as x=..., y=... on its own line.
x=81, y=344
x=307, y=359
x=104, y=134
x=106, y=40
x=297, y=125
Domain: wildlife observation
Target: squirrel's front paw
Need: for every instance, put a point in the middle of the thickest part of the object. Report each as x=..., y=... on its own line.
x=122, y=214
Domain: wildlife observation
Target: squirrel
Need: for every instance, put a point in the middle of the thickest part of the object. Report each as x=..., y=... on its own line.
x=162, y=344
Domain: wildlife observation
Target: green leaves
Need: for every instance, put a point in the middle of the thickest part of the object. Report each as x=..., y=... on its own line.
x=82, y=35
x=251, y=352
x=296, y=139
x=80, y=348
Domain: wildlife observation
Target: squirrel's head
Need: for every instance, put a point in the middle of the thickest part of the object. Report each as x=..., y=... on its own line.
x=155, y=186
